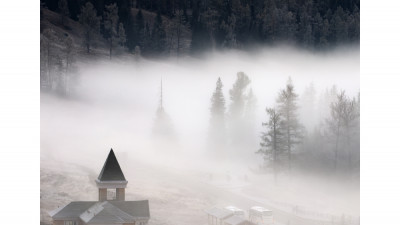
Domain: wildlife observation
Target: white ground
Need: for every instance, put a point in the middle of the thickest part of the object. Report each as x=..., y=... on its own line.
x=179, y=196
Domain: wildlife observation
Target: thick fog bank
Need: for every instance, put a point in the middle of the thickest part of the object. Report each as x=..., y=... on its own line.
x=114, y=103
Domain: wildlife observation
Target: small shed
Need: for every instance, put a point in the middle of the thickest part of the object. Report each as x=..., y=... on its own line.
x=216, y=216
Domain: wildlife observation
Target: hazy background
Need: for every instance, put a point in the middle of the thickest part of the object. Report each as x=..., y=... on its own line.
x=113, y=105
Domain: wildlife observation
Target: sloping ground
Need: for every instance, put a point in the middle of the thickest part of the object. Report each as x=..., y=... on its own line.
x=170, y=202
x=52, y=20
x=99, y=50
x=62, y=183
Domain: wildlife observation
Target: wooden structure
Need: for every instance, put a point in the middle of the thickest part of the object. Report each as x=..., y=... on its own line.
x=111, y=207
x=216, y=216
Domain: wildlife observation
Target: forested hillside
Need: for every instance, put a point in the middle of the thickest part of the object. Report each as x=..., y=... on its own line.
x=175, y=27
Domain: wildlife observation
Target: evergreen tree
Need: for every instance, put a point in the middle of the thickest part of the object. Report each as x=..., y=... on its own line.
x=237, y=94
x=131, y=36
x=217, y=120
x=237, y=108
x=229, y=30
x=162, y=125
x=47, y=40
x=325, y=101
x=287, y=107
x=121, y=35
x=179, y=26
x=59, y=76
x=272, y=140
x=64, y=11
x=335, y=124
x=111, y=25
x=140, y=29
x=69, y=53
x=159, y=35
x=340, y=26
x=351, y=128
x=90, y=22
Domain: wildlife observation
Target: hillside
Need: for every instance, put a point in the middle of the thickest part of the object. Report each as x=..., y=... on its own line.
x=51, y=20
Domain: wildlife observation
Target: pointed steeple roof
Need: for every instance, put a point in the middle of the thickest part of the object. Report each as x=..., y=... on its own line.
x=111, y=170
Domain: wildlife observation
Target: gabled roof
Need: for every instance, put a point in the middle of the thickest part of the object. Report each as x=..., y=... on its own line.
x=72, y=211
x=134, y=208
x=107, y=212
x=111, y=170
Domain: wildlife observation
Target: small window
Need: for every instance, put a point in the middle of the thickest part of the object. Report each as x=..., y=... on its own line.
x=70, y=223
x=111, y=194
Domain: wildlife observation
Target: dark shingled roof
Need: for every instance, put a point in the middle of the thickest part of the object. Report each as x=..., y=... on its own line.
x=111, y=170
x=134, y=208
x=107, y=212
x=73, y=210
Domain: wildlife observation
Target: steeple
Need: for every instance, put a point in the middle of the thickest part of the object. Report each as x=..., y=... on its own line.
x=111, y=180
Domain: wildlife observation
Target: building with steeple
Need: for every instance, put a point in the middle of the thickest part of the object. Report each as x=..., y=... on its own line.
x=111, y=181
x=111, y=207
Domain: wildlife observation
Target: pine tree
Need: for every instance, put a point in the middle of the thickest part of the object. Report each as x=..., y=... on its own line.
x=159, y=35
x=162, y=125
x=111, y=25
x=47, y=40
x=272, y=140
x=90, y=22
x=351, y=128
x=229, y=29
x=335, y=124
x=287, y=107
x=69, y=52
x=121, y=35
x=217, y=120
x=179, y=26
x=64, y=11
x=237, y=96
x=139, y=28
x=130, y=32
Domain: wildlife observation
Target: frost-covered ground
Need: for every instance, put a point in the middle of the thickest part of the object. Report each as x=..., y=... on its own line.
x=170, y=201
x=178, y=196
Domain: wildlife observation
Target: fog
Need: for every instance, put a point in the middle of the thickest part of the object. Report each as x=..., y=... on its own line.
x=113, y=105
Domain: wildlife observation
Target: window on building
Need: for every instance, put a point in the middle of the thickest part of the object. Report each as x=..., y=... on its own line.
x=70, y=223
x=111, y=194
